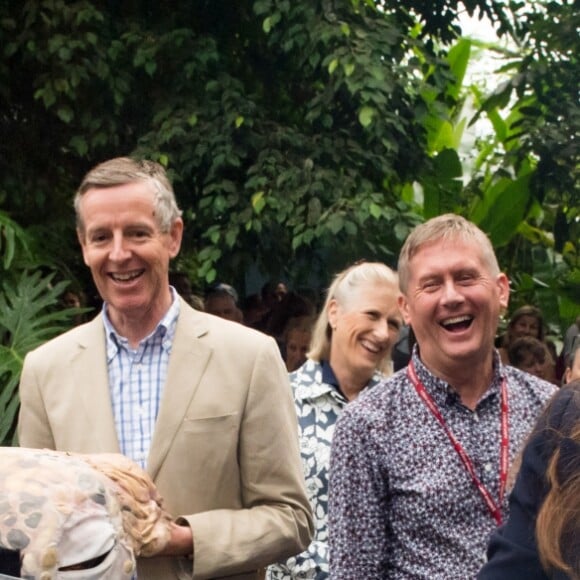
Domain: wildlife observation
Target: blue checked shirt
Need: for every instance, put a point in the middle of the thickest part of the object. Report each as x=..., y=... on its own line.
x=136, y=381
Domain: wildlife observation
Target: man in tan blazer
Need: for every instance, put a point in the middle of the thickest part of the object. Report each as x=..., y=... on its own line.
x=202, y=403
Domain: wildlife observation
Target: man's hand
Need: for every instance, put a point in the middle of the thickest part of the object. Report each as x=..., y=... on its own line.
x=180, y=542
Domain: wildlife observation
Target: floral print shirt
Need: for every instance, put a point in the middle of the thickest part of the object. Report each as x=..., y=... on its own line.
x=402, y=505
x=319, y=402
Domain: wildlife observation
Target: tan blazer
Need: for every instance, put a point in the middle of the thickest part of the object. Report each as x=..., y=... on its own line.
x=224, y=453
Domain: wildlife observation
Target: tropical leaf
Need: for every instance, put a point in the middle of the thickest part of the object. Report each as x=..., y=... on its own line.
x=10, y=367
x=29, y=315
x=11, y=237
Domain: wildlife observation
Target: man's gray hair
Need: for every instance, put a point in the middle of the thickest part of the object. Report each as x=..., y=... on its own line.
x=449, y=226
x=124, y=170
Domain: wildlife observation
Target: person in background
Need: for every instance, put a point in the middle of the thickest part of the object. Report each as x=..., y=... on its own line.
x=182, y=284
x=531, y=355
x=222, y=300
x=528, y=321
x=419, y=464
x=296, y=340
x=569, y=336
x=525, y=321
x=572, y=370
x=203, y=404
x=271, y=293
x=75, y=299
x=554, y=370
x=291, y=307
x=567, y=347
x=253, y=310
x=541, y=538
x=351, y=343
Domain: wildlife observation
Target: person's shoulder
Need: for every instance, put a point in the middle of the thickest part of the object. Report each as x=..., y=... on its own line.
x=521, y=383
x=564, y=408
x=78, y=335
x=309, y=389
x=308, y=373
x=381, y=399
x=569, y=393
x=214, y=325
x=386, y=387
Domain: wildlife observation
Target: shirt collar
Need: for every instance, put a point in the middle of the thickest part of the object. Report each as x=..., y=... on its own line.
x=443, y=393
x=325, y=381
x=165, y=328
x=328, y=375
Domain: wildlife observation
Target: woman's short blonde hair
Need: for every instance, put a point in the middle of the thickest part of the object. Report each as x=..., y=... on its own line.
x=343, y=287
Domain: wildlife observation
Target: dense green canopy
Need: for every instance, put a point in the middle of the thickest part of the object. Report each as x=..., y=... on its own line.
x=294, y=131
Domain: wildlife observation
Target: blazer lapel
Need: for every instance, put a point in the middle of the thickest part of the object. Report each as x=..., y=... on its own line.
x=187, y=363
x=90, y=384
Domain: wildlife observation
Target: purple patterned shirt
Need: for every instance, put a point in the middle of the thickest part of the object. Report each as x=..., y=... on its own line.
x=402, y=505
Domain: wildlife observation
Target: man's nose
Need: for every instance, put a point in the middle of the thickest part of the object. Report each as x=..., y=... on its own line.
x=119, y=249
x=450, y=293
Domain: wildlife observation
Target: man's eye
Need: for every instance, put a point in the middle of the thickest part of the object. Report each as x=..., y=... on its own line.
x=467, y=279
x=98, y=238
x=140, y=234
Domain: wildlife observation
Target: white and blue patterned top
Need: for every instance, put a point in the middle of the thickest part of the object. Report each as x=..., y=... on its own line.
x=402, y=505
x=136, y=380
x=319, y=402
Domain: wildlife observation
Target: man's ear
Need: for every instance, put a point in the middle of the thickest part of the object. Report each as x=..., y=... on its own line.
x=503, y=285
x=404, y=308
x=82, y=241
x=176, y=235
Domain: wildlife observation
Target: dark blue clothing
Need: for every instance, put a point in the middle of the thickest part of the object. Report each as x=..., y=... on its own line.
x=329, y=378
x=513, y=552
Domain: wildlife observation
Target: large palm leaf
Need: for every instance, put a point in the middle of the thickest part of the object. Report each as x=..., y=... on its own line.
x=29, y=315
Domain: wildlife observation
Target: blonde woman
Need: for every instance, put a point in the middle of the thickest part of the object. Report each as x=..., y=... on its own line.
x=350, y=351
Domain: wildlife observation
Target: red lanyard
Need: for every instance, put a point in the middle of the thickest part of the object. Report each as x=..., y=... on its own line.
x=495, y=509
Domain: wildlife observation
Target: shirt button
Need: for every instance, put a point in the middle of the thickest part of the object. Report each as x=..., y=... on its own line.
x=487, y=467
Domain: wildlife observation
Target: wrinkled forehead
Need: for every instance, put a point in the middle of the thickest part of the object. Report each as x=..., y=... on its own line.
x=440, y=252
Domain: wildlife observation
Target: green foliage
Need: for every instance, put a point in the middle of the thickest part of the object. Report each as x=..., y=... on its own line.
x=299, y=135
x=527, y=193
x=282, y=123
x=13, y=240
x=29, y=315
x=30, y=312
